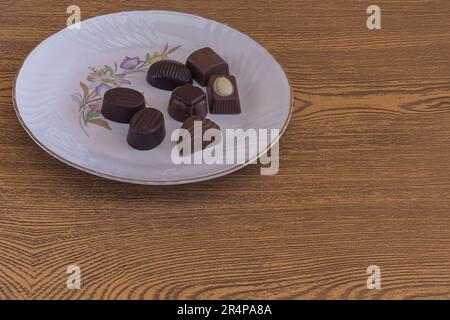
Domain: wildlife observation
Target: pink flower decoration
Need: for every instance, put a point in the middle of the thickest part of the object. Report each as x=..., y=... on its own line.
x=97, y=106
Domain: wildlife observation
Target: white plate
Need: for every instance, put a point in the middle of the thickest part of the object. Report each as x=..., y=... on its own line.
x=77, y=65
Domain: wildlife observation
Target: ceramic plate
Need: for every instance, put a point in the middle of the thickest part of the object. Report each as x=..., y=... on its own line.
x=59, y=88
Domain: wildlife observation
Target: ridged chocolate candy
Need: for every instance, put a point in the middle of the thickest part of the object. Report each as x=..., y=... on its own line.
x=120, y=104
x=186, y=101
x=205, y=62
x=223, y=95
x=146, y=129
x=168, y=74
x=206, y=124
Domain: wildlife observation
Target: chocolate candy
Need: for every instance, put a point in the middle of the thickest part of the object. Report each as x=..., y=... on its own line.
x=203, y=63
x=206, y=124
x=186, y=101
x=223, y=95
x=120, y=104
x=168, y=74
x=146, y=129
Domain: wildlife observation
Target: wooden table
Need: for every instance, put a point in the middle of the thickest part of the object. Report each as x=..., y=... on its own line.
x=364, y=177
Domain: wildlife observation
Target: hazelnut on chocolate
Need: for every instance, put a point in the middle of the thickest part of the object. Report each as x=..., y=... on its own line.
x=223, y=95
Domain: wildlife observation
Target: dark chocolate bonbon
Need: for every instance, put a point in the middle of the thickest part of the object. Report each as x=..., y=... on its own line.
x=120, y=104
x=204, y=63
x=146, y=129
x=206, y=124
x=223, y=95
x=186, y=101
x=168, y=74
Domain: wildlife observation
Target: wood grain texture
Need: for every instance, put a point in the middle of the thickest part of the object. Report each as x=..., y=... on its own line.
x=364, y=176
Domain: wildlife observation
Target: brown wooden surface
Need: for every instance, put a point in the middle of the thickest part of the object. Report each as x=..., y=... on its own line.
x=364, y=177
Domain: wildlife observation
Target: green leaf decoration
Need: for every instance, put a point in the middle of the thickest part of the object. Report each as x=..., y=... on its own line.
x=147, y=57
x=109, y=69
x=173, y=50
x=115, y=66
x=100, y=122
x=91, y=114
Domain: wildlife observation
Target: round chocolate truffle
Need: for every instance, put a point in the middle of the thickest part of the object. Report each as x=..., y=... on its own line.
x=146, y=129
x=120, y=104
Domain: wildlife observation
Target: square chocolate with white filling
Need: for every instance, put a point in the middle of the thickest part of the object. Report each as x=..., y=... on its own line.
x=223, y=95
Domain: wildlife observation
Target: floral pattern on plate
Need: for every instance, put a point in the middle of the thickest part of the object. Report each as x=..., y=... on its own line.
x=100, y=80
